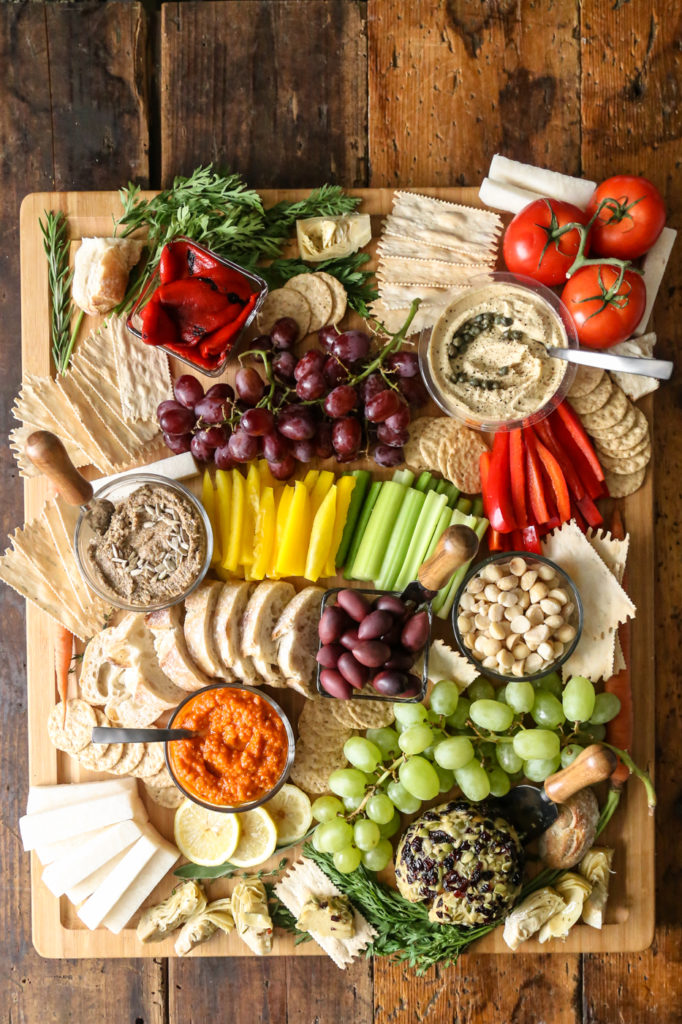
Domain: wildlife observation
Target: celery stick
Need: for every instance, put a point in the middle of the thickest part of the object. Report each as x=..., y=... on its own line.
x=457, y=518
x=442, y=487
x=477, y=507
x=444, y=610
x=421, y=538
x=432, y=485
x=403, y=476
x=370, y=556
x=422, y=481
x=453, y=495
x=362, y=482
x=366, y=511
x=400, y=538
x=441, y=526
x=464, y=505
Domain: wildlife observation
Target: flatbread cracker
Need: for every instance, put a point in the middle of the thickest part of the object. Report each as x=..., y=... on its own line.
x=318, y=295
x=585, y=381
x=622, y=485
x=76, y=732
x=594, y=399
x=142, y=372
x=285, y=302
x=610, y=413
x=339, y=296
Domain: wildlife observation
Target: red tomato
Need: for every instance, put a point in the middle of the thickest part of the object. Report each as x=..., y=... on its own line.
x=531, y=245
x=631, y=221
x=602, y=319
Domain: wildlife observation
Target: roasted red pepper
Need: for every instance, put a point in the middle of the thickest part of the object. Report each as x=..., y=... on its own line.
x=158, y=328
x=220, y=340
x=575, y=428
x=497, y=500
x=517, y=470
x=557, y=480
x=536, y=491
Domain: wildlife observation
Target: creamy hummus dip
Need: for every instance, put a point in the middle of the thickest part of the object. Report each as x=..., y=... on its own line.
x=150, y=548
x=488, y=352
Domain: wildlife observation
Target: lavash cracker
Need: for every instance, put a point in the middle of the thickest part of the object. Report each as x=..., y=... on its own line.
x=612, y=551
x=635, y=385
x=318, y=296
x=135, y=433
x=142, y=372
x=410, y=269
x=285, y=302
x=445, y=663
x=393, y=319
x=303, y=880
x=400, y=295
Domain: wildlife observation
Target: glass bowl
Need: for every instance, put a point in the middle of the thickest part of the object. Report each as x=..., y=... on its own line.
x=134, y=322
x=365, y=694
x=117, y=491
x=226, y=808
x=576, y=618
x=554, y=308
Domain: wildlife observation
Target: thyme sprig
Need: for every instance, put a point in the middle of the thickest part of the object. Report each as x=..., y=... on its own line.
x=60, y=277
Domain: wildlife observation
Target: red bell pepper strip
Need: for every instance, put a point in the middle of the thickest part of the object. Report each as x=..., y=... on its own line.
x=517, y=470
x=547, y=527
x=536, y=491
x=590, y=511
x=593, y=486
x=557, y=480
x=578, y=516
x=531, y=540
x=496, y=492
x=575, y=428
x=544, y=431
x=517, y=540
x=222, y=340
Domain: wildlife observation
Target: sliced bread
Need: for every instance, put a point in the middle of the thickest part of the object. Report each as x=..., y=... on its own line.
x=227, y=626
x=171, y=649
x=265, y=606
x=97, y=680
x=296, y=636
x=199, y=613
x=132, y=647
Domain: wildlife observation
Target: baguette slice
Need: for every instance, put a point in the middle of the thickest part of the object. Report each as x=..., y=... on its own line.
x=227, y=626
x=296, y=636
x=265, y=606
x=171, y=649
x=199, y=612
x=99, y=680
x=132, y=647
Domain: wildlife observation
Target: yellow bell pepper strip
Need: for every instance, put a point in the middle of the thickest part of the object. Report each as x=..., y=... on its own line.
x=230, y=560
x=291, y=555
x=208, y=500
x=283, y=504
x=321, y=536
x=310, y=479
x=265, y=534
x=344, y=489
x=251, y=505
x=266, y=477
x=223, y=499
x=320, y=490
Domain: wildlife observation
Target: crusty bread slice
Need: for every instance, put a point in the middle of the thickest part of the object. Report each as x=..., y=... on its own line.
x=265, y=606
x=227, y=624
x=132, y=647
x=171, y=649
x=296, y=636
x=135, y=708
x=199, y=612
x=97, y=680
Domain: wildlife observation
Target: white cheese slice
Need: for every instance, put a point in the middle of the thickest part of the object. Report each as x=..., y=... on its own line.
x=541, y=180
x=110, y=891
x=175, y=467
x=46, y=798
x=47, y=853
x=86, y=888
x=500, y=195
x=150, y=876
x=77, y=865
x=653, y=269
x=62, y=822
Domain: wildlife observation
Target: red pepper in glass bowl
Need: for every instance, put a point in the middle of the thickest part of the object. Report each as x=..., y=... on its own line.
x=196, y=305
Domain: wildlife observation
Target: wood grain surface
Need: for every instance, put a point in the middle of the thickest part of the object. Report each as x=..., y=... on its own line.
x=587, y=87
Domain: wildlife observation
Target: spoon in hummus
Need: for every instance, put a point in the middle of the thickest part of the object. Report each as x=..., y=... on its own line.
x=661, y=369
x=48, y=454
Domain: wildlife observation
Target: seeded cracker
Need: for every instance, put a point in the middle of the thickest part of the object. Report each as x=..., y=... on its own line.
x=630, y=464
x=166, y=796
x=623, y=452
x=285, y=302
x=611, y=413
x=311, y=769
x=132, y=755
x=623, y=442
x=100, y=757
x=586, y=380
x=341, y=711
x=620, y=486
x=462, y=468
x=618, y=429
x=319, y=298
x=339, y=296
x=371, y=714
x=162, y=779
x=151, y=763
x=429, y=442
x=76, y=733
x=595, y=399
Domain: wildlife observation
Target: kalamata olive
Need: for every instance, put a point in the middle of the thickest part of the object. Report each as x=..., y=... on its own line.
x=390, y=683
x=355, y=604
x=334, y=683
x=372, y=653
x=415, y=632
x=329, y=655
x=389, y=603
x=352, y=671
x=333, y=623
x=374, y=625
x=400, y=660
x=392, y=635
x=413, y=688
x=349, y=639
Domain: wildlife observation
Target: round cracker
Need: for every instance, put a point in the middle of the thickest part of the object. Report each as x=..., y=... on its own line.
x=371, y=714
x=162, y=780
x=318, y=295
x=316, y=717
x=412, y=451
x=151, y=763
x=76, y=732
x=585, y=381
x=608, y=414
x=284, y=302
x=620, y=486
x=132, y=755
x=622, y=442
x=628, y=465
x=339, y=296
x=466, y=448
x=623, y=453
x=340, y=709
x=594, y=399
x=619, y=429
x=165, y=796
x=430, y=439
x=100, y=757
x=311, y=773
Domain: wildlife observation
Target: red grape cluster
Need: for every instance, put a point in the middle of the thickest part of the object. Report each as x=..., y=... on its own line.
x=378, y=643
x=331, y=401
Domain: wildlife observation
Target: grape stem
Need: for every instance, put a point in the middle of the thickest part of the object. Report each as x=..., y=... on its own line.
x=371, y=790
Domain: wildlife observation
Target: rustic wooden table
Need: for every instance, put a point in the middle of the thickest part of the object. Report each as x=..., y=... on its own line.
x=294, y=93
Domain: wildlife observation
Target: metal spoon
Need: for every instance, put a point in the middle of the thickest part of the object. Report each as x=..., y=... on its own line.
x=48, y=454
x=103, y=734
x=660, y=368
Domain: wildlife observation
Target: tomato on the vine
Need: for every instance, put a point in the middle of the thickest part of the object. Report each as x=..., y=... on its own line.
x=533, y=243
x=631, y=219
x=604, y=315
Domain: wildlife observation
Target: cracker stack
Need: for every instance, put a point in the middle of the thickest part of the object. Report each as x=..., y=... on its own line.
x=444, y=445
x=313, y=300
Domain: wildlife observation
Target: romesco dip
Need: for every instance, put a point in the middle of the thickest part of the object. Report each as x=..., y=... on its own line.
x=241, y=752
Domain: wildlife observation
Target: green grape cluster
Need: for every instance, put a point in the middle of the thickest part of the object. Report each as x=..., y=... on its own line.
x=481, y=742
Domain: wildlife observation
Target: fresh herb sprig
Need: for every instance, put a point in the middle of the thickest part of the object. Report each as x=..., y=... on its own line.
x=347, y=270
x=60, y=277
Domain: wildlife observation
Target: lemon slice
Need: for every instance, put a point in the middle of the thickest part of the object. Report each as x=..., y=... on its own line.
x=258, y=838
x=205, y=837
x=291, y=812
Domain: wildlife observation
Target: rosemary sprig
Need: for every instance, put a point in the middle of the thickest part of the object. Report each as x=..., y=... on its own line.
x=56, y=245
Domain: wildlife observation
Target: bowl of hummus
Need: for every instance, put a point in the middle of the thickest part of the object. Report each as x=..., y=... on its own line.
x=144, y=543
x=486, y=360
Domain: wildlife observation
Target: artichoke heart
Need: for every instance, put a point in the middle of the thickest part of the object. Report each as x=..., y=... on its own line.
x=529, y=916
x=574, y=890
x=186, y=900
x=323, y=238
x=251, y=915
x=204, y=924
x=596, y=868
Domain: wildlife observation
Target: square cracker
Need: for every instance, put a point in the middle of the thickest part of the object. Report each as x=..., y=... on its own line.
x=141, y=371
x=60, y=519
x=20, y=573
x=140, y=431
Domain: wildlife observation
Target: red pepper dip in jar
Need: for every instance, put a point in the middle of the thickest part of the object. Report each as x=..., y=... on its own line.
x=241, y=753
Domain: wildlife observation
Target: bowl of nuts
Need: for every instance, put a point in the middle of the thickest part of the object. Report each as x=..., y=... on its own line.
x=517, y=616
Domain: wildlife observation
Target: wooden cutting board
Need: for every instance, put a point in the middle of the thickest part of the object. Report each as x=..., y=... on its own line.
x=57, y=931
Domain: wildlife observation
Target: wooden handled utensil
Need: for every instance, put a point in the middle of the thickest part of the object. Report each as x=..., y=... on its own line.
x=48, y=454
x=457, y=545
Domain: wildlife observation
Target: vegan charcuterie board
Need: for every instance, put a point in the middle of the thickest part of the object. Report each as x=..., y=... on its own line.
x=57, y=930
